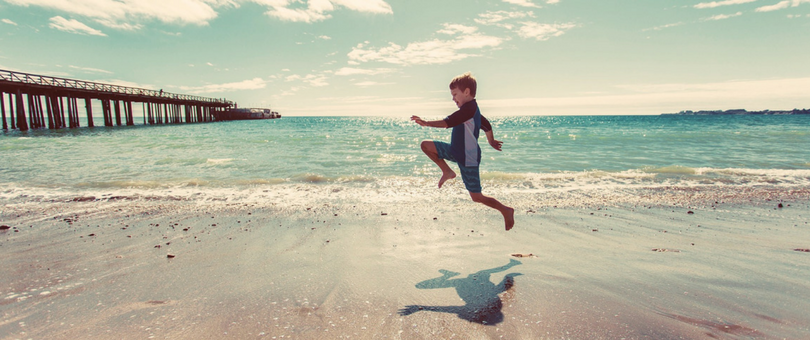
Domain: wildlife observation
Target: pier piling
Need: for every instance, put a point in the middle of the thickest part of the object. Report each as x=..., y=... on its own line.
x=117, y=113
x=21, y=123
x=130, y=119
x=58, y=110
x=49, y=111
x=3, y=110
x=31, y=112
x=70, y=112
x=11, y=115
x=61, y=110
x=40, y=113
x=75, y=104
x=89, y=109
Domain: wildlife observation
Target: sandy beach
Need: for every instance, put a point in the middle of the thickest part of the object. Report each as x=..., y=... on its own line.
x=667, y=264
x=281, y=169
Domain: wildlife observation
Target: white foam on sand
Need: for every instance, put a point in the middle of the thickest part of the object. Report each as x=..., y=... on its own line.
x=216, y=161
x=520, y=188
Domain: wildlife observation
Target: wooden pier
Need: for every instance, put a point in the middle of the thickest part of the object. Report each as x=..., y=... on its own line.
x=36, y=101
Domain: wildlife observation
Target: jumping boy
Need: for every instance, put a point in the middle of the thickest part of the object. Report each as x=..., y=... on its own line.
x=463, y=148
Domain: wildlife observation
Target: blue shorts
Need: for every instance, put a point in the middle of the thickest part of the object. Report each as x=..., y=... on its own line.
x=470, y=175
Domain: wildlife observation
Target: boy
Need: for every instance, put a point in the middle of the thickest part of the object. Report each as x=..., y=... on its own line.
x=463, y=148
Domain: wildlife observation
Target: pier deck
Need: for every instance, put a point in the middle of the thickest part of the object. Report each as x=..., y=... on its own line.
x=37, y=101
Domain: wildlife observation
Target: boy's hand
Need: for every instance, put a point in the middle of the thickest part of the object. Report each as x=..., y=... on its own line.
x=432, y=123
x=418, y=121
x=496, y=144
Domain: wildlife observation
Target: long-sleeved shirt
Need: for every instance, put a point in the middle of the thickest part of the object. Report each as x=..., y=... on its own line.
x=466, y=123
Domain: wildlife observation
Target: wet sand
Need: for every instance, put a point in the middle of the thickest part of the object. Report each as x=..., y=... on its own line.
x=664, y=264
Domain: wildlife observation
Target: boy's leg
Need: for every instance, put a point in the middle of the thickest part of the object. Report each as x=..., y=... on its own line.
x=507, y=212
x=472, y=181
x=429, y=148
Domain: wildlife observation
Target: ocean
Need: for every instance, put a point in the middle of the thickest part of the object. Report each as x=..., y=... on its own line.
x=540, y=154
x=635, y=227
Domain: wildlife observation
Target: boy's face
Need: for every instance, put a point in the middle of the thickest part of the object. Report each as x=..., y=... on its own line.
x=461, y=97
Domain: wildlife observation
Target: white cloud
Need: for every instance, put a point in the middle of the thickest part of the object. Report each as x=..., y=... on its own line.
x=466, y=38
x=498, y=18
x=8, y=21
x=350, y=71
x=90, y=69
x=543, y=31
x=435, y=51
x=125, y=14
x=250, y=84
x=658, y=28
x=317, y=10
x=125, y=83
x=73, y=26
x=311, y=79
x=775, y=7
x=724, y=16
x=124, y=26
x=551, y=2
x=526, y=29
x=290, y=92
x=476, y=41
x=452, y=29
x=524, y=3
x=297, y=15
x=370, y=83
x=324, y=37
x=130, y=15
x=368, y=6
x=782, y=5
x=714, y=4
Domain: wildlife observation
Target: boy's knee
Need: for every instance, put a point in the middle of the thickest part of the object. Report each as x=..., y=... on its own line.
x=477, y=197
x=428, y=145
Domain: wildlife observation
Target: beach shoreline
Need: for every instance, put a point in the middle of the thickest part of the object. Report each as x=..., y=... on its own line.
x=675, y=263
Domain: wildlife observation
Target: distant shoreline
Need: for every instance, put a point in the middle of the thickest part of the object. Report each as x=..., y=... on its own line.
x=737, y=112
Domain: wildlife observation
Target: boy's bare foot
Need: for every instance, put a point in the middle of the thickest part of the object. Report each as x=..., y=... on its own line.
x=446, y=176
x=509, y=218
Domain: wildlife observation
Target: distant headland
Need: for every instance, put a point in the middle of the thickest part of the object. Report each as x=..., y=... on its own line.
x=739, y=112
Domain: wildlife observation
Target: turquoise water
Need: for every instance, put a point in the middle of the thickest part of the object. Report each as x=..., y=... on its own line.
x=538, y=152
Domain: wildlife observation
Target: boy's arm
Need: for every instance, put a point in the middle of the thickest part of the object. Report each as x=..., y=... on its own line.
x=496, y=144
x=433, y=123
x=487, y=127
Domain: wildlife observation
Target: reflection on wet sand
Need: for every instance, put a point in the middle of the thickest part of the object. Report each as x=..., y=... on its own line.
x=483, y=305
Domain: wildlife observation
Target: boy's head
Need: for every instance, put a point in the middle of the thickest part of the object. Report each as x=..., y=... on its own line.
x=463, y=88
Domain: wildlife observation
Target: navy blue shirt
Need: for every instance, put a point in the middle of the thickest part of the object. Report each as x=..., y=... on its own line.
x=466, y=123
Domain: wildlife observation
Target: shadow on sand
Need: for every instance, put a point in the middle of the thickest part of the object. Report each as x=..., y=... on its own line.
x=483, y=305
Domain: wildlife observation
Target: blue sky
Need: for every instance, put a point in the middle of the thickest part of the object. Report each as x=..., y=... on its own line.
x=396, y=57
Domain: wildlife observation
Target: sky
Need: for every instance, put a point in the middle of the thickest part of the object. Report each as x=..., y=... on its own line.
x=397, y=57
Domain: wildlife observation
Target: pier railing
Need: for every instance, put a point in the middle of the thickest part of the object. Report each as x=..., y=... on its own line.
x=53, y=102
x=35, y=79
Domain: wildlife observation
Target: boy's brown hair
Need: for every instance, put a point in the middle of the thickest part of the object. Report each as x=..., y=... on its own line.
x=463, y=82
